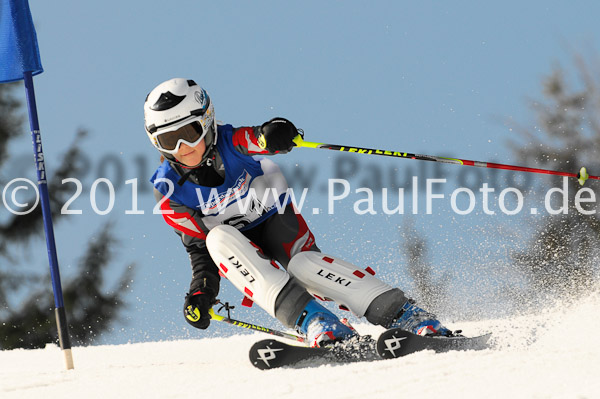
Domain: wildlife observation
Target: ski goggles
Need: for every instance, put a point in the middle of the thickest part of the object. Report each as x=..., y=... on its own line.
x=190, y=134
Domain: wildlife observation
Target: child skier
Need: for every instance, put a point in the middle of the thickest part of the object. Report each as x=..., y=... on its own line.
x=208, y=170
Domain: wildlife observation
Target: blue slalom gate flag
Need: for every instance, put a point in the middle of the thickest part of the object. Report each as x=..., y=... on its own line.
x=20, y=59
x=19, y=52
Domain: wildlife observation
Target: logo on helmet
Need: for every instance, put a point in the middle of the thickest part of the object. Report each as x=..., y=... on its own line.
x=200, y=96
x=169, y=119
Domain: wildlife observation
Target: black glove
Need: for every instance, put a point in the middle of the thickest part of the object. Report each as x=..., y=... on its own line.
x=196, y=306
x=277, y=135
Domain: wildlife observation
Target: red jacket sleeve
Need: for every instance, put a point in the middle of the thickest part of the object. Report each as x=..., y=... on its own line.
x=245, y=141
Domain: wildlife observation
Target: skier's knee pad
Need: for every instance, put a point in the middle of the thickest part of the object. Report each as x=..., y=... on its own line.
x=332, y=278
x=244, y=264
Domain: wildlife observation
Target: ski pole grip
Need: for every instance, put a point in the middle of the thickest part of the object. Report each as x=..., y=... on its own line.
x=298, y=140
x=215, y=316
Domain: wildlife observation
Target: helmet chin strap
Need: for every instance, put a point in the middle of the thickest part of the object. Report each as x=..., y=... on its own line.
x=207, y=159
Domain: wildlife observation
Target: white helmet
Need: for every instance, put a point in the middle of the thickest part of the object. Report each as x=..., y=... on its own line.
x=174, y=104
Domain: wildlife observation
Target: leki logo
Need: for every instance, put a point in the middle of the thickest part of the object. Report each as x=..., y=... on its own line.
x=267, y=354
x=335, y=278
x=393, y=344
x=242, y=269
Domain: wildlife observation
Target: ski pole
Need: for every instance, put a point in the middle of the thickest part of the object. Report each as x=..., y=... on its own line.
x=582, y=176
x=250, y=326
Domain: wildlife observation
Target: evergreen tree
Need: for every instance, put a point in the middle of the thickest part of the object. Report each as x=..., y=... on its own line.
x=90, y=307
x=559, y=260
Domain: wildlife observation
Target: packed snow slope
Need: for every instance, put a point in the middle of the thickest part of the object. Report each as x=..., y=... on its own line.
x=552, y=354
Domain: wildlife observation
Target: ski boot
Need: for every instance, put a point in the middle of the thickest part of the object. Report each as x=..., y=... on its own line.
x=418, y=321
x=321, y=327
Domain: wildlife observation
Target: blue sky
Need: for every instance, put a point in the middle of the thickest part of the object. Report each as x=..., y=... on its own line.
x=433, y=78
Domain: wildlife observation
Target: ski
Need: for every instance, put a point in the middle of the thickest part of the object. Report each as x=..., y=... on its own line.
x=396, y=343
x=269, y=353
